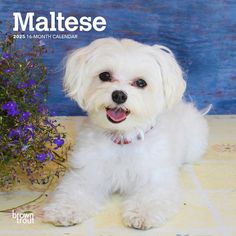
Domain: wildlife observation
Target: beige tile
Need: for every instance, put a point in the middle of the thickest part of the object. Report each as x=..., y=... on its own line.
x=222, y=138
x=216, y=175
x=132, y=232
x=221, y=152
x=13, y=199
x=9, y=226
x=225, y=203
x=222, y=129
x=185, y=179
x=111, y=215
x=193, y=214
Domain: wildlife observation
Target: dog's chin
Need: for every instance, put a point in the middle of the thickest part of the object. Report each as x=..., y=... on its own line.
x=117, y=115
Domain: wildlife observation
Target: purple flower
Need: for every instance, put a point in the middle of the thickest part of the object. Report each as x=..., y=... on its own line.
x=59, y=142
x=6, y=55
x=22, y=85
x=42, y=110
x=11, y=108
x=29, y=131
x=14, y=134
x=30, y=82
x=29, y=127
x=49, y=122
x=51, y=156
x=24, y=116
x=41, y=157
x=9, y=70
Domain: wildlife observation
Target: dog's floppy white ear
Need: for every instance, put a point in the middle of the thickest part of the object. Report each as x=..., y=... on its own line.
x=74, y=78
x=171, y=73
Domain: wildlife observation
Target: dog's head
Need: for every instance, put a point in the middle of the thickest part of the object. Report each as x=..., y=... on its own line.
x=123, y=84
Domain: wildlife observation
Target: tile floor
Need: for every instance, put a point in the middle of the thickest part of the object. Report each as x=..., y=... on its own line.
x=210, y=198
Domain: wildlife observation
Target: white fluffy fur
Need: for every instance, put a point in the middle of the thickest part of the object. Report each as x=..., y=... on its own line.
x=145, y=171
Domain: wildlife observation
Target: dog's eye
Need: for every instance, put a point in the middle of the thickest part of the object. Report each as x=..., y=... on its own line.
x=140, y=83
x=105, y=76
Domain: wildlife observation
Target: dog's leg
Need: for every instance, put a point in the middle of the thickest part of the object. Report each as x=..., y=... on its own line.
x=151, y=205
x=77, y=198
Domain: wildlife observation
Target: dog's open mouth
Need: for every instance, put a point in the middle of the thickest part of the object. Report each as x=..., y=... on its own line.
x=117, y=114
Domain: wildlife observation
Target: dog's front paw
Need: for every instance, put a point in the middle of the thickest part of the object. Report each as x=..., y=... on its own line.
x=60, y=215
x=136, y=221
x=140, y=218
x=147, y=213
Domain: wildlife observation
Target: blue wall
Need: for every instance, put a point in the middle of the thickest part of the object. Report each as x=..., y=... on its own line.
x=201, y=33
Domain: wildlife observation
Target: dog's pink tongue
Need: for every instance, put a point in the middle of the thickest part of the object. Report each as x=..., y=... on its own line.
x=116, y=114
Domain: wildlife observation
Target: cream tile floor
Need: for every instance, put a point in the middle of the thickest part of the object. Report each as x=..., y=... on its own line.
x=209, y=208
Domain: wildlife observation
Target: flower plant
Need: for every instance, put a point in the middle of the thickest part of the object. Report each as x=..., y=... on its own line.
x=29, y=138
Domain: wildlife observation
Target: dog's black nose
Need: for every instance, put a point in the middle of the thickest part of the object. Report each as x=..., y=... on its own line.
x=119, y=96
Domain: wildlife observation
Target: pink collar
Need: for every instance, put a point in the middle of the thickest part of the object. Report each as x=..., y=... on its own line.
x=123, y=139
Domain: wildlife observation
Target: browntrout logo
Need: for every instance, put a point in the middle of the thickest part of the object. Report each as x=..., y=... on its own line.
x=23, y=218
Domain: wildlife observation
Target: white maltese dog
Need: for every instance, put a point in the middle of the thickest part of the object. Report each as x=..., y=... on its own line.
x=137, y=135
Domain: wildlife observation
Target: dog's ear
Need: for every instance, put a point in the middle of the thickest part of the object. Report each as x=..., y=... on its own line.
x=74, y=80
x=171, y=73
